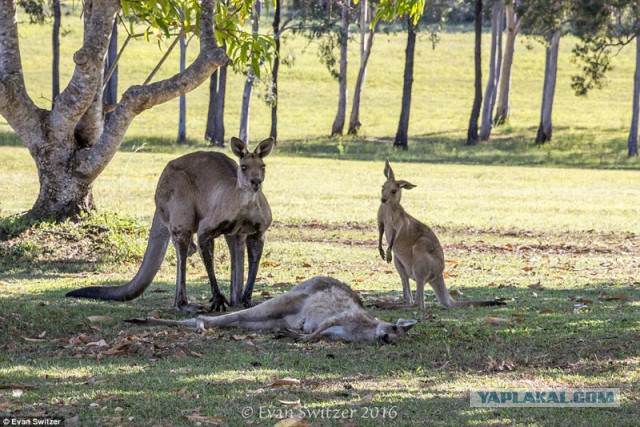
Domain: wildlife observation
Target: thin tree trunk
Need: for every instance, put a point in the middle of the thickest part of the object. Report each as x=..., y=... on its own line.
x=504, y=94
x=248, y=85
x=110, y=93
x=55, y=38
x=633, y=132
x=545, y=130
x=213, y=94
x=366, y=42
x=472, y=132
x=220, y=102
x=338, y=123
x=494, y=66
x=402, y=135
x=182, y=114
x=274, y=74
x=214, y=132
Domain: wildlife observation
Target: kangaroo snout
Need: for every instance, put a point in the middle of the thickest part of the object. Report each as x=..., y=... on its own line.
x=256, y=183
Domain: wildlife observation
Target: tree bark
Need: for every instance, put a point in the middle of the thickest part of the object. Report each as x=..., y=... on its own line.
x=274, y=74
x=366, y=42
x=338, y=122
x=248, y=85
x=55, y=42
x=472, y=132
x=494, y=66
x=110, y=94
x=504, y=93
x=71, y=145
x=182, y=113
x=402, y=135
x=545, y=130
x=215, y=117
x=632, y=142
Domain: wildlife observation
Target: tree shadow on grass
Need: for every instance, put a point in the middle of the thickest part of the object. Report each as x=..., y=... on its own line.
x=572, y=147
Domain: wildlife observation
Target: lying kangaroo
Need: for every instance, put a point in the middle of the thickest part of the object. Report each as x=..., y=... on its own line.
x=320, y=307
x=208, y=194
x=418, y=254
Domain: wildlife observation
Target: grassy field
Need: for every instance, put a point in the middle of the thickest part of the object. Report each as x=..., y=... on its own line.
x=559, y=242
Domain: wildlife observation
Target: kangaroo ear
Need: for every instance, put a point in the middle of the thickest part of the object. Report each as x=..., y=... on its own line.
x=406, y=324
x=264, y=148
x=388, y=172
x=405, y=184
x=239, y=147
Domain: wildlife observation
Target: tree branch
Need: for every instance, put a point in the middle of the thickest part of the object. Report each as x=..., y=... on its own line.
x=92, y=161
x=79, y=94
x=15, y=105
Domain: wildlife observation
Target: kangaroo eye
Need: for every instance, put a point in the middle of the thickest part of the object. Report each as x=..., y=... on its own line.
x=395, y=328
x=243, y=167
x=394, y=191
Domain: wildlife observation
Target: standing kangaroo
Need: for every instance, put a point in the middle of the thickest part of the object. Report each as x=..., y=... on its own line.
x=320, y=307
x=418, y=253
x=208, y=194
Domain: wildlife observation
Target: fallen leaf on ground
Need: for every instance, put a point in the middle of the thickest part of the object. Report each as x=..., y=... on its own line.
x=306, y=265
x=547, y=310
x=358, y=280
x=492, y=320
x=270, y=264
x=27, y=339
x=616, y=297
x=101, y=343
x=299, y=277
x=292, y=422
x=202, y=419
x=536, y=286
x=100, y=319
x=584, y=300
x=294, y=403
x=285, y=381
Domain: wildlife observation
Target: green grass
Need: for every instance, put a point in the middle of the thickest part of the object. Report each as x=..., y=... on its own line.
x=545, y=237
x=572, y=232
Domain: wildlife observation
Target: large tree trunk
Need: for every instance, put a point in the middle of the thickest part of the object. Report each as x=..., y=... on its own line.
x=366, y=42
x=110, y=94
x=402, y=135
x=504, y=93
x=248, y=85
x=55, y=39
x=182, y=113
x=338, y=122
x=472, y=132
x=71, y=144
x=274, y=74
x=545, y=130
x=633, y=131
x=494, y=67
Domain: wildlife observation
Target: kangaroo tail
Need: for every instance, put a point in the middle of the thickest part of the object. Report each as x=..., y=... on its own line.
x=477, y=303
x=159, y=237
x=445, y=299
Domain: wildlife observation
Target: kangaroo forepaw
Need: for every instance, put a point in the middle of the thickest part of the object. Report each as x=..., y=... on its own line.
x=382, y=254
x=218, y=303
x=389, y=257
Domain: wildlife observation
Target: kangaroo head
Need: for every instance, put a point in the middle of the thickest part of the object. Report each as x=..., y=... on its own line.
x=252, y=169
x=392, y=189
x=387, y=333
